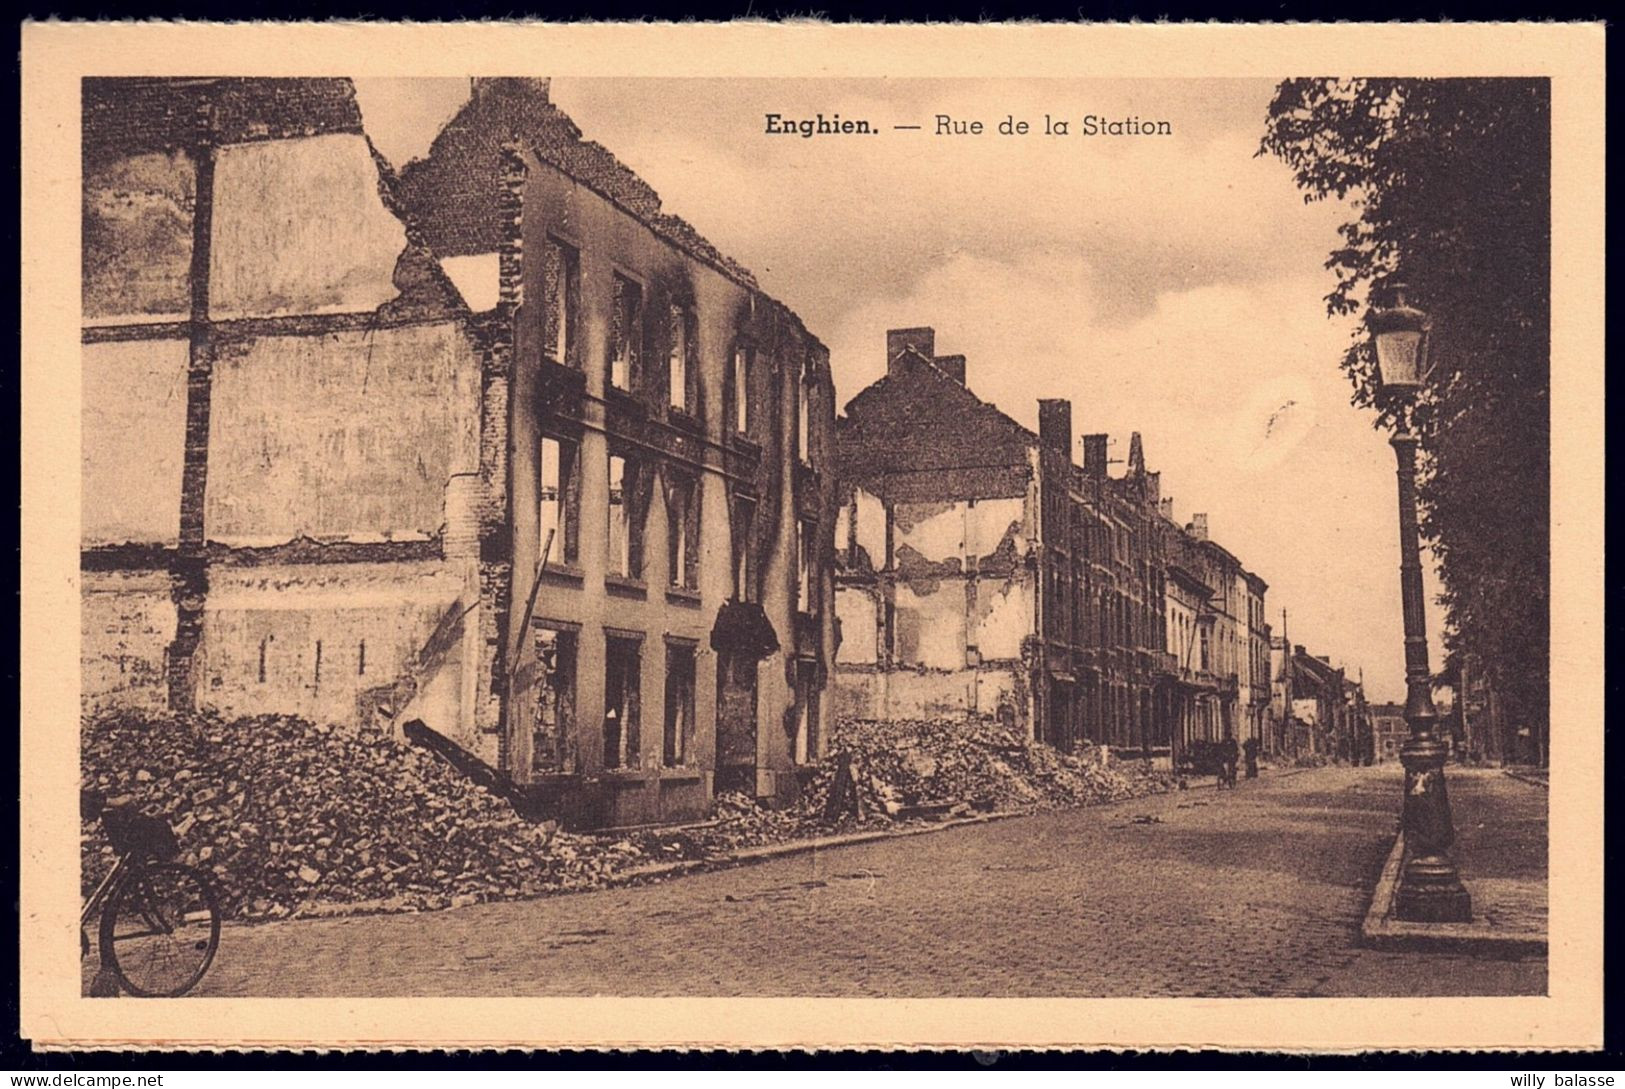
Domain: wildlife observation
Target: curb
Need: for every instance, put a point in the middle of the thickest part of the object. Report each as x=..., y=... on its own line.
x=744, y=856
x=747, y=855
x=1544, y=784
x=1380, y=930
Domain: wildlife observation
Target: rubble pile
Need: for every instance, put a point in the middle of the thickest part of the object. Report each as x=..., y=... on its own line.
x=903, y=767
x=295, y=817
x=738, y=821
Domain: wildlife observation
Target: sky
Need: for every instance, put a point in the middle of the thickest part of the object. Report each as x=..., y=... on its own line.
x=1168, y=285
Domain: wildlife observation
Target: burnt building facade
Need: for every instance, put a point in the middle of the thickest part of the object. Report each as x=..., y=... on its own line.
x=492, y=444
x=982, y=569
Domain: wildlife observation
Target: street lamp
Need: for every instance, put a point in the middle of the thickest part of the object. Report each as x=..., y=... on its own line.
x=1430, y=890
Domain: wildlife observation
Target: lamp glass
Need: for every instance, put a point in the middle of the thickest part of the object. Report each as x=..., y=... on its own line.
x=1399, y=358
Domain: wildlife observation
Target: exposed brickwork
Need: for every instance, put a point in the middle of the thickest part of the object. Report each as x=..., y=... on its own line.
x=189, y=571
x=917, y=433
x=455, y=192
x=123, y=115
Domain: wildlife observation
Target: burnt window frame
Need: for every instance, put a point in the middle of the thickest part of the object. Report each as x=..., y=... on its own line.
x=679, y=482
x=682, y=319
x=624, y=752
x=561, y=301
x=636, y=477
x=632, y=340
x=681, y=684
x=566, y=551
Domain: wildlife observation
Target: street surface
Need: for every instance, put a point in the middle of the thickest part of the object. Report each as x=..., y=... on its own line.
x=1259, y=891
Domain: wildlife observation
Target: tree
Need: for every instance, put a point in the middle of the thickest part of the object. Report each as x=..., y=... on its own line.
x=1451, y=182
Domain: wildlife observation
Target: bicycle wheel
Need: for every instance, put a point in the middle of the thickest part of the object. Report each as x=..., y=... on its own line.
x=160, y=929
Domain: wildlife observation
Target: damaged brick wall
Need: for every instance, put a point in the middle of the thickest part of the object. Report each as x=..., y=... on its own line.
x=280, y=391
x=936, y=584
x=509, y=187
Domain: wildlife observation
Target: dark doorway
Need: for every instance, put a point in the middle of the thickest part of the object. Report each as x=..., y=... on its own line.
x=736, y=723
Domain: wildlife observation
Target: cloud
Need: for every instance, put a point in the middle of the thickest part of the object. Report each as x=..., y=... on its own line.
x=1152, y=213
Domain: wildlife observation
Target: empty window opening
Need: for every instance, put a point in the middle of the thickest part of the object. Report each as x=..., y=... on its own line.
x=626, y=332
x=554, y=724
x=741, y=388
x=804, y=417
x=621, y=708
x=744, y=582
x=679, y=725
x=806, y=739
x=682, y=533
x=620, y=517
x=559, y=499
x=804, y=584
x=561, y=284
x=678, y=348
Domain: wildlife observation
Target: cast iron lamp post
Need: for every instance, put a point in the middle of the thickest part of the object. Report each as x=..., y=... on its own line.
x=1430, y=890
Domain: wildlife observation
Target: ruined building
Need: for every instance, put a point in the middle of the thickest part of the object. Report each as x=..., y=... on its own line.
x=490, y=444
x=980, y=569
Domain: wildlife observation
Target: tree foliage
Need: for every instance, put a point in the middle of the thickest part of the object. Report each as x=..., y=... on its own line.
x=1451, y=183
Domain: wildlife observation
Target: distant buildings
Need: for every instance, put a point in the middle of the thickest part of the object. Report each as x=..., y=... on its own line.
x=1389, y=730
x=981, y=569
x=1319, y=711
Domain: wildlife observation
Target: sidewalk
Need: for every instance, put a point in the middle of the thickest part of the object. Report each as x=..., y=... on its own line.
x=1501, y=852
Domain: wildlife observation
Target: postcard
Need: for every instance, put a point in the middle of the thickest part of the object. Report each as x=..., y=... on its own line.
x=785, y=535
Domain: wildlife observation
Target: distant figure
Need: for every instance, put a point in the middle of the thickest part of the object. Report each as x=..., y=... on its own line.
x=1230, y=755
x=1250, y=749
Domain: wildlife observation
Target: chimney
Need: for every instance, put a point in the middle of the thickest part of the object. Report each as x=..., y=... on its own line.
x=1153, y=488
x=922, y=340
x=1298, y=649
x=1136, y=455
x=515, y=85
x=1165, y=507
x=1198, y=527
x=1055, y=426
x=951, y=365
x=1094, y=455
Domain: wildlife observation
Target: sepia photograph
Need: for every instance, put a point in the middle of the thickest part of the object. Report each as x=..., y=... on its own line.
x=584, y=536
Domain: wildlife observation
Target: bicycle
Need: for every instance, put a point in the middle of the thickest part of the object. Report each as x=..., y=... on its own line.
x=160, y=919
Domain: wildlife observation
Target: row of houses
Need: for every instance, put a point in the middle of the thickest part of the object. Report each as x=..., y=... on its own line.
x=983, y=568
x=494, y=445
x=1318, y=711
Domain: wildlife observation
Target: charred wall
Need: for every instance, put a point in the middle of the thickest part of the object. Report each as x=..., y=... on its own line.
x=935, y=587
x=279, y=399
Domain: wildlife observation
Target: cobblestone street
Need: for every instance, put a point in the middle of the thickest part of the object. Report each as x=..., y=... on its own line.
x=1201, y=893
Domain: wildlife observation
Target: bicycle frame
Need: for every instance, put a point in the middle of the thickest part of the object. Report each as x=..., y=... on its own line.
x=97, y=898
